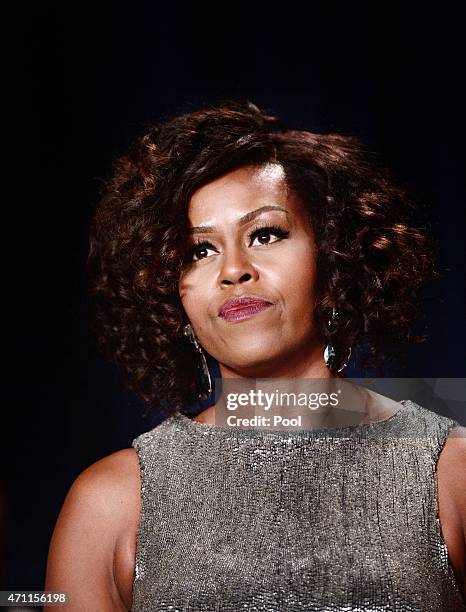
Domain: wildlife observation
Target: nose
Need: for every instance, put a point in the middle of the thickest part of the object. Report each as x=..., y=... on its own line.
x=236, y=268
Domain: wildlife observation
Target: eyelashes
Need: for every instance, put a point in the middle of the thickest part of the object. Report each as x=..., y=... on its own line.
x=264, y=230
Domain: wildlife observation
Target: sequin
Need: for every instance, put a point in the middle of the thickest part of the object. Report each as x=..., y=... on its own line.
x=341, y=519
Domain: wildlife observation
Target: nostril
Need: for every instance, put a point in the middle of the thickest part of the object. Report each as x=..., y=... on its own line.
x=244, y=277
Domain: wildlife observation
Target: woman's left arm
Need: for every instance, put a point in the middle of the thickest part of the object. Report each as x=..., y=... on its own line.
x=452, y=464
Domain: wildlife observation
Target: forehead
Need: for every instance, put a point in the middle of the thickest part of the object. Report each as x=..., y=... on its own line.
x=238, y=192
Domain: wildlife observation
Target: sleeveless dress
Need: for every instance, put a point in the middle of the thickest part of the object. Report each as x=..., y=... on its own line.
x=332, y=519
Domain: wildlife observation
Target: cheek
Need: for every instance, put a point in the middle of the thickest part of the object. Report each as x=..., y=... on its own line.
x=297, y=281
x=302, y=281
x=194, y=297
x=295, y=273
x=187, y=293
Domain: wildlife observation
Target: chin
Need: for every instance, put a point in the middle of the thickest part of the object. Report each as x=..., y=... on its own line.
x=252, y=363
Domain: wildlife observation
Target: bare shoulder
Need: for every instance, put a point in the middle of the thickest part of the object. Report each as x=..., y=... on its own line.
x=451, y=471
x=458, y=433
x=107, y=489
x=452, y=466
x=99, y=511
x=112, y=476
x=454, y=451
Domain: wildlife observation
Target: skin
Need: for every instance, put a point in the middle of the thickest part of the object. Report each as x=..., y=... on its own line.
x=281, y=341
x=92, y=552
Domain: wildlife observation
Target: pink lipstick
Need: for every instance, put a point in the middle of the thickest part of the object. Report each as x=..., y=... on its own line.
x=237, y=309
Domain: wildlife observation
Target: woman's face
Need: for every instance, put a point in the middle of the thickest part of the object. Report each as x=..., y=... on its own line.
x=252, y=238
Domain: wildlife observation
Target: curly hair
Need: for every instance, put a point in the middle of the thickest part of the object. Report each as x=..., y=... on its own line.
x=371, y=259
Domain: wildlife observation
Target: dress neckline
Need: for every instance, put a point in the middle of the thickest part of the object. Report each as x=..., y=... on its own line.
x=205, y=428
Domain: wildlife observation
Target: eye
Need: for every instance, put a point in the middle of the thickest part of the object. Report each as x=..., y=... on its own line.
x=264, y=233
x=200, y=251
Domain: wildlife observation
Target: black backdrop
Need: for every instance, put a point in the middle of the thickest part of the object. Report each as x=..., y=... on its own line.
x=83, y=80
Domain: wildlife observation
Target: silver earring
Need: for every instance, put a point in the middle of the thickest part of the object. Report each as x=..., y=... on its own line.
x=201, y=364
x=330, y=354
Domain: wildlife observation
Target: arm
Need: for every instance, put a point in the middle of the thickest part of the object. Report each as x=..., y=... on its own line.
x=460, y=491
x=452, y=494
x=100, y=510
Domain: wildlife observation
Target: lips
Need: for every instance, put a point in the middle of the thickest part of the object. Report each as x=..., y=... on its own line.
x=237, y=309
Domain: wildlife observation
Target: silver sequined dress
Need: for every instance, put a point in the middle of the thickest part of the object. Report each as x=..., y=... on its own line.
x=340, y=519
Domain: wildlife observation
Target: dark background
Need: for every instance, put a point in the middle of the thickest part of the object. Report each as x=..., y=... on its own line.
x=83, y=80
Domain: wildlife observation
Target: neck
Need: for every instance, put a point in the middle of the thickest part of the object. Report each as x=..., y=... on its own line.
x=301, y=372
x=307, y=362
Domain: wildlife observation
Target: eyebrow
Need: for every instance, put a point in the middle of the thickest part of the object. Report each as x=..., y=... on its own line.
x=209, y=229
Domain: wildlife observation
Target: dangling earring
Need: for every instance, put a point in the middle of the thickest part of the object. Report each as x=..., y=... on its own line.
x=330, y=354
x=201, y=364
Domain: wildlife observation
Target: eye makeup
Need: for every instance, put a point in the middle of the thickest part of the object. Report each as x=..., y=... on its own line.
x=197, y=246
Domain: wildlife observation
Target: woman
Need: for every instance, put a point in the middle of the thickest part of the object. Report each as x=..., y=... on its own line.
x=280, y=254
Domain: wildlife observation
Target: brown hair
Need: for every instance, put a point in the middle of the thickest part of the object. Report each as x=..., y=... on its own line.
x=371, y=260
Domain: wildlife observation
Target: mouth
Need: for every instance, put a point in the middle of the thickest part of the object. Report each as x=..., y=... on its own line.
x=242, y=308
